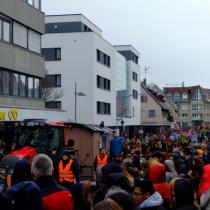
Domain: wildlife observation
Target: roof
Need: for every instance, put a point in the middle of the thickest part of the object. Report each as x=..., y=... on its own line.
x=92, y=128
x=182, y=89
x=154, y=95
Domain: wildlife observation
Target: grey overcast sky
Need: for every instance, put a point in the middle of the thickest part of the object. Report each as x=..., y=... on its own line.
x=172, y=36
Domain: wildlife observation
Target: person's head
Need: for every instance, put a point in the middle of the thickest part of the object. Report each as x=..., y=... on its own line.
x=66, y=155
x=143, y=189
x=81, y=194
x=22, y=172
x=124, y=200
x=41, y=166
x=102, y=151
x=183, y=192
x=70, y=143
x=187, y=151
x=108, y=204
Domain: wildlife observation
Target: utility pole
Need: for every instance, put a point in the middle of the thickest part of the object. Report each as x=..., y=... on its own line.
x=146, y=69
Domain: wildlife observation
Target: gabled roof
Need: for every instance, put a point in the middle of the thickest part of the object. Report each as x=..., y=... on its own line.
x=154, y=95
x=172, y=90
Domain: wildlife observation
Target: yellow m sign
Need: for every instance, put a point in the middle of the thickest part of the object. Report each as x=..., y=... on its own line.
x=13, y=114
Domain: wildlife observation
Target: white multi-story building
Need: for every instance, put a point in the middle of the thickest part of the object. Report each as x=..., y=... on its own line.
x=128, y=85
x=81, y=65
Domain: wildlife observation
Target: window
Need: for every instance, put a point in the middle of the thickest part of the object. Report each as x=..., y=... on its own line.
x=5, y=82
x=52, y=80
x=0, y=29
x=30, y=87
x=5, y=25
x=135, y=94
x=103, y=83
x=103, y=108
x=20, y=35
x=176, y=96
x=37, y=4
x=34, y=3
x=36, y=88
x=135, y=76
x=184, y=115
x=52, y=54
x=152, y=113
x=6, y=31
x=103, y=58
x=34, y=41
x=57, y=53
x=30, y=2
x=144, y=99
x=22, y=85
x=194, y=107
x=53, y=104
x=15, y=84
x=184, y=96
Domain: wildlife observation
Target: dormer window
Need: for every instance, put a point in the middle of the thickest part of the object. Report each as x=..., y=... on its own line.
x=184, y=95
x=176, y=96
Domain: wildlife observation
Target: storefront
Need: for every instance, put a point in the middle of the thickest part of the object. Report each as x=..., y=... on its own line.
x=19, y=114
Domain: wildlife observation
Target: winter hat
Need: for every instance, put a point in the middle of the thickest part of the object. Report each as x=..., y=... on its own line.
x=22, y=172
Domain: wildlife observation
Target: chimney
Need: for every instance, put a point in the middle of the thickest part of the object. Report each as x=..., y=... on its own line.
x=182, y=84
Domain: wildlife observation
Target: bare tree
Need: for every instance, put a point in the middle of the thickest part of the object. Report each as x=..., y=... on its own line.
x=49, y=92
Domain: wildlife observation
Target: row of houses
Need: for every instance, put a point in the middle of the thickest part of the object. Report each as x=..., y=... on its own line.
x=60, y=67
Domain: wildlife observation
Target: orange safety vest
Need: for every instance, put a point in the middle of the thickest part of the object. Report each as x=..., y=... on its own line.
x=103, y=161
x=65, y=174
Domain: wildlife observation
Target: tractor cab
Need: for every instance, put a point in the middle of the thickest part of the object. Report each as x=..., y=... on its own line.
x=30, y=137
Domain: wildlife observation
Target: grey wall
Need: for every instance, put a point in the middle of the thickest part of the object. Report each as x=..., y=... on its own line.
x=21, y=60
x=21, y=102
x=24, y=13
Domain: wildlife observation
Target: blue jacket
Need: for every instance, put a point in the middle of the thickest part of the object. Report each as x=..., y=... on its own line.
x=154, y=202
x=116, y=146
x=25, y=195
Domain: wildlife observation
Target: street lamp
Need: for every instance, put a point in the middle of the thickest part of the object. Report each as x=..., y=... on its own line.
x=75, y=100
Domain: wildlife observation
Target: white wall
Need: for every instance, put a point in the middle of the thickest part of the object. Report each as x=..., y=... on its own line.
x=79, y=64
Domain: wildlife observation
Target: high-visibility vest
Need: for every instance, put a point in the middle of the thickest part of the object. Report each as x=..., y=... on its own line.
x=101, y=162
x=65, y=174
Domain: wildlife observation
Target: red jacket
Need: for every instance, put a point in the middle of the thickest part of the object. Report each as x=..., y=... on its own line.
x=157, y=174
x=54, y=196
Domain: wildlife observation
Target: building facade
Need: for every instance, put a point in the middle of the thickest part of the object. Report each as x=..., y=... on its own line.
x=21, y=65
x=128, y=85
x=193, y=104
x=82, y=65
x=156, y=108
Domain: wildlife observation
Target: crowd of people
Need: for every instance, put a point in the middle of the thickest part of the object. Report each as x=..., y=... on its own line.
x=156, y=172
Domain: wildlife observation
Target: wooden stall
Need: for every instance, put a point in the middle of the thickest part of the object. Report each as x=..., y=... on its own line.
x=87, y=140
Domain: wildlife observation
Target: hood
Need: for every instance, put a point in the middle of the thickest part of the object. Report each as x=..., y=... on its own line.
x=154, y=200
x=205, y=180
x=21, y=172
x=157, y=173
